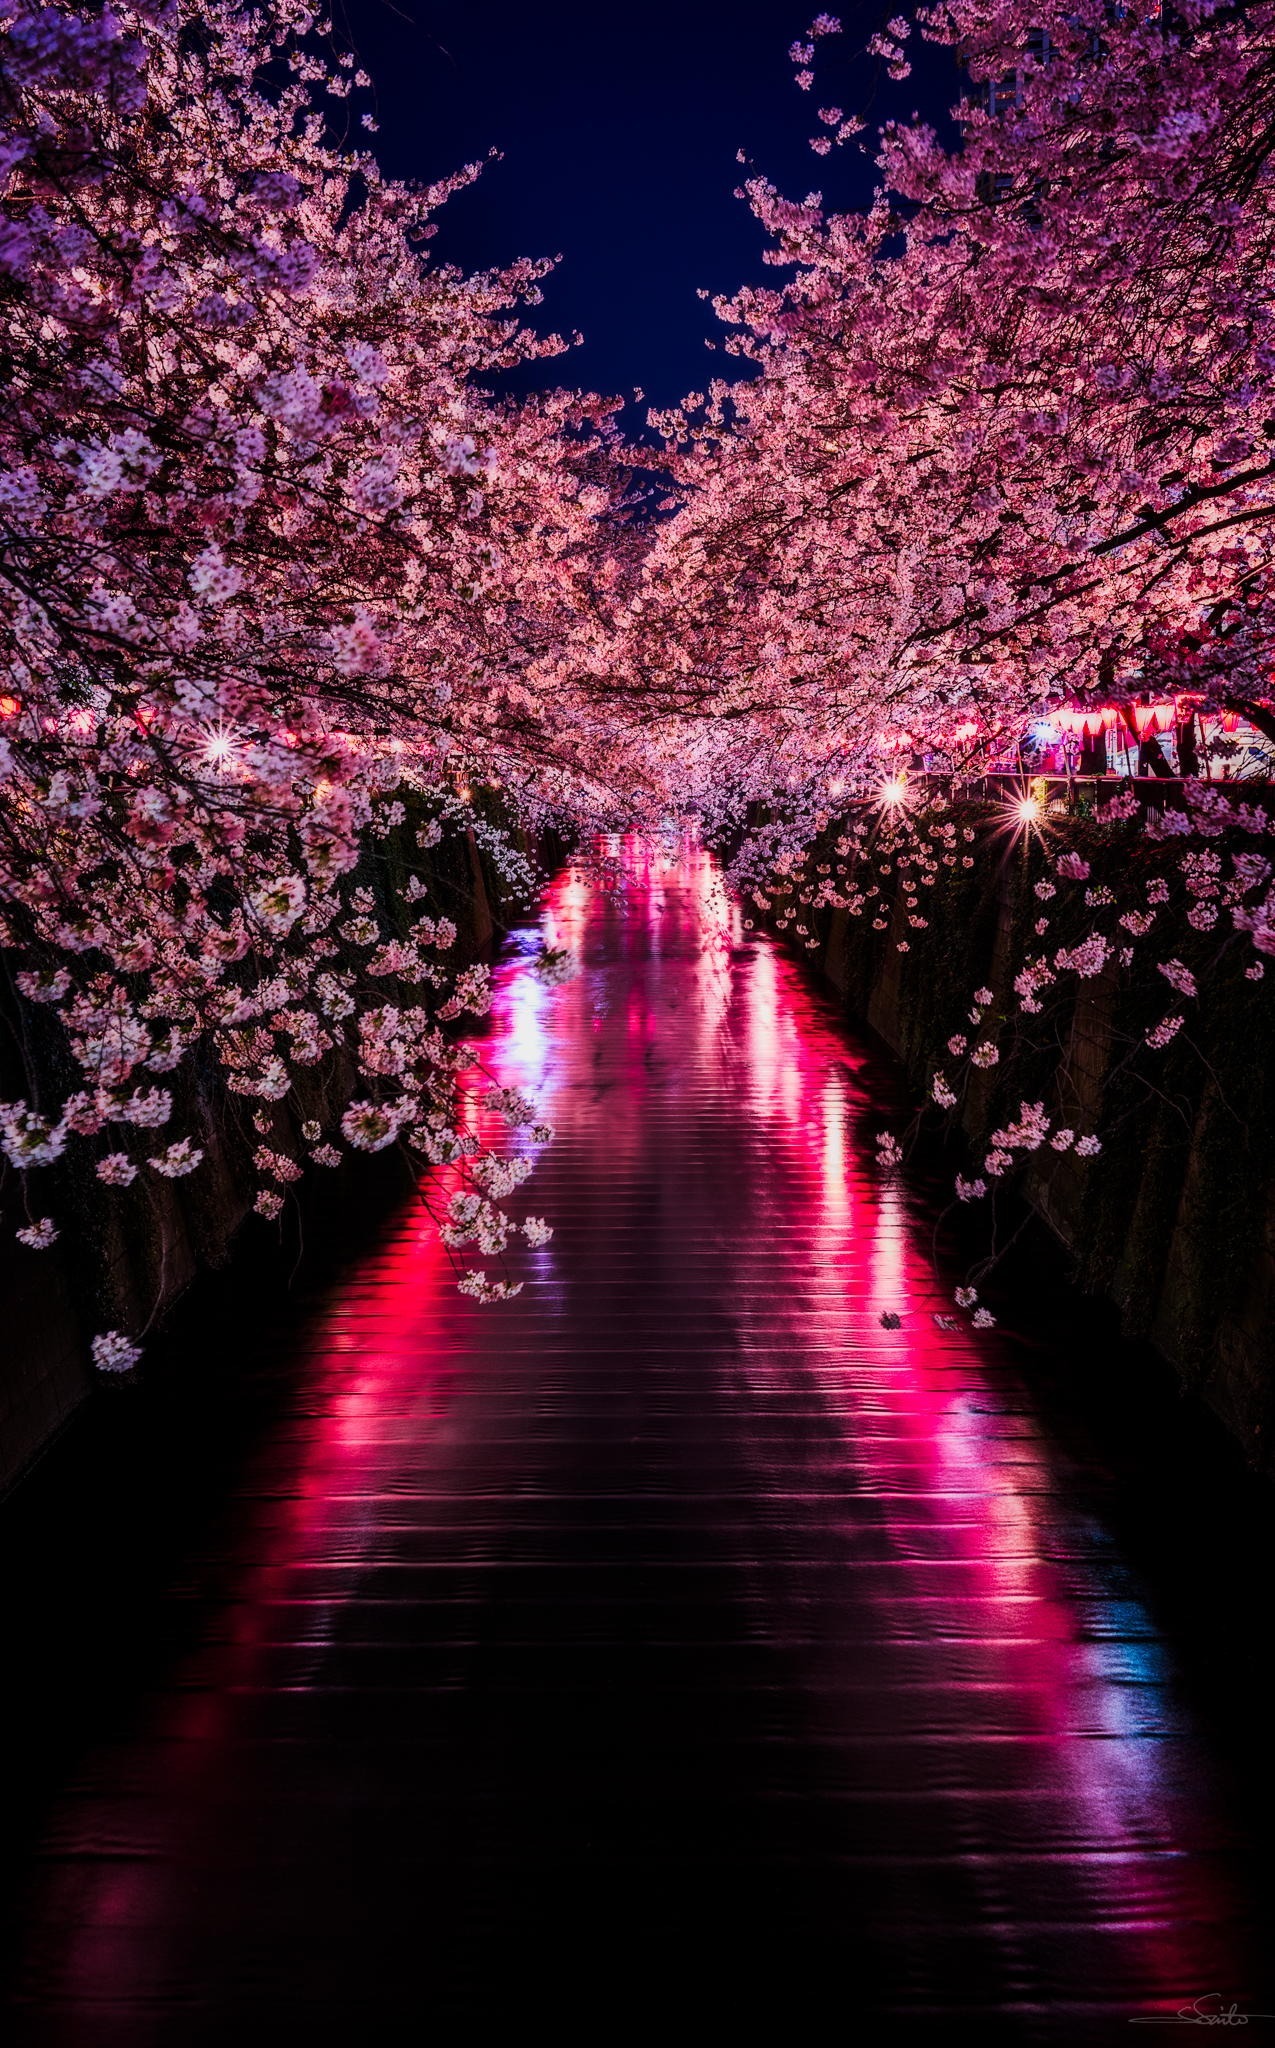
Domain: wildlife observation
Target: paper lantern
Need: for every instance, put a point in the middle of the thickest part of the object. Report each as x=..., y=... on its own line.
x=1153, y=718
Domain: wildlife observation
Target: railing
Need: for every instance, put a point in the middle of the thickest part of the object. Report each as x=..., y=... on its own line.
x=1153, y=792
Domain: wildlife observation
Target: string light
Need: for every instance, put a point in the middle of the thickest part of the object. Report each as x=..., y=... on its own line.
x=1026, y=811
x=218, y=749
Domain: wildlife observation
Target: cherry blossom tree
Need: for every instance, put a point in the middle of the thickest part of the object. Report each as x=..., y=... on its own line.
x=1008, y=437
x=281, y=575
x=270, y=562
x=1008, y=443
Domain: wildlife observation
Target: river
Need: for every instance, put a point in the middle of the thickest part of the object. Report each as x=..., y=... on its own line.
x=679, y=1644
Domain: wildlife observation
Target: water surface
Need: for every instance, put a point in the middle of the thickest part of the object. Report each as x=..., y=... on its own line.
x=674, y=1645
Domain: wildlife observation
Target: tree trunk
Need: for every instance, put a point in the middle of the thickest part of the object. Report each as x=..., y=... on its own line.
x=1259, y=715
x=1093, y=753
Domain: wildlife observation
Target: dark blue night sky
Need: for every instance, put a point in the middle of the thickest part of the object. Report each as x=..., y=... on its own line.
x=619, y=126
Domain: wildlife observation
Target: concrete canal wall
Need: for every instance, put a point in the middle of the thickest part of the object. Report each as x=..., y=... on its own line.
x=125, y=1255
x=1175, y=1221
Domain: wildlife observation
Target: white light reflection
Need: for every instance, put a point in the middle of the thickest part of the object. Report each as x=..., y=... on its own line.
x=836, y=1178
x=524, y=1043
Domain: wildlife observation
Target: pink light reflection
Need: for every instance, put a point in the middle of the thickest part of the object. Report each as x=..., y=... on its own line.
x=720, y=1222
